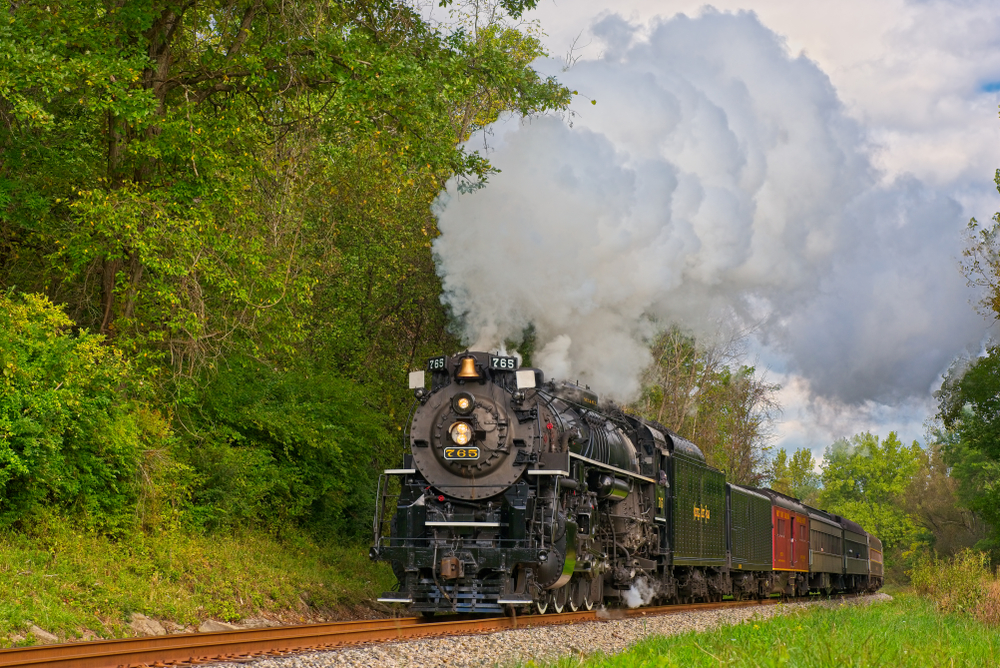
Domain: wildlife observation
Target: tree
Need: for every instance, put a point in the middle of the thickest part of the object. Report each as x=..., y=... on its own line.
x=981, y=263
x=969, y=410
x=705, y=394
x=969, y=398
x=238, y=192
x=744, y=410
x=167, y=162
x=969, y=402
x=942, y=494
x=865, y=477
x=798, y=477
x=781, y=477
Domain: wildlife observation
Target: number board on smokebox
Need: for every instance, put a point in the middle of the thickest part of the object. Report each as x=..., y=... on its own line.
x=501, y=363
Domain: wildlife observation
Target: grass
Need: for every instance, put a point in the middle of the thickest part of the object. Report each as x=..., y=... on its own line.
x=908, y=631
x=75, y=585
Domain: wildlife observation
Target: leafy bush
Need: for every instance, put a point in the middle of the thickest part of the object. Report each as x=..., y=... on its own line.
x=73, y=438
x=274, y=448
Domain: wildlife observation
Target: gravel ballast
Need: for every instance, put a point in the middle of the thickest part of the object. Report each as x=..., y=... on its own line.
x=543, y=643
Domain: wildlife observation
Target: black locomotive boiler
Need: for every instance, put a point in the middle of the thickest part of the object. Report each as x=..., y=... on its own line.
x=518, y=493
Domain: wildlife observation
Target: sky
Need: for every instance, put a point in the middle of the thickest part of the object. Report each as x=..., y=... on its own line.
x=803, y=169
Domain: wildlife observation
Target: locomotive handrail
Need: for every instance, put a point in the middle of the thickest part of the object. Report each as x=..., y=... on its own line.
x=458, y=523
x=594, y=462
x=382, y=496
x=377, y=522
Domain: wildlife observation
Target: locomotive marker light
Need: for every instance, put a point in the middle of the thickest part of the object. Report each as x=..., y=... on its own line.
x=416, y=380
x=417, y=384
x=524, y=379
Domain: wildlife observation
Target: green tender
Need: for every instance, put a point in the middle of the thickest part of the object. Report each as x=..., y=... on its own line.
x=699, y=510
x=751, y=531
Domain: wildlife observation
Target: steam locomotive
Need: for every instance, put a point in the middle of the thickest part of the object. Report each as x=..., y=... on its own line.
x=524, y=495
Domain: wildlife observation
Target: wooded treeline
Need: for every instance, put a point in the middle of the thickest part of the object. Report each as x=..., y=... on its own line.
x=215, y=235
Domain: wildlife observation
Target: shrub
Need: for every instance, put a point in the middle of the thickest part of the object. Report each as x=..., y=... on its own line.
x=72, y=433
x=273, y=448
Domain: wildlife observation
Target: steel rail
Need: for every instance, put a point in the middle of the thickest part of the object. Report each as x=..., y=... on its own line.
x=194, y=648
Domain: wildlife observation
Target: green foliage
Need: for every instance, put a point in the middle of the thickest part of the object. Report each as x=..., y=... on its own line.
x=969, y=408
x=864, y=478
x=73, y=435
x=797, y=477
x=969, y=398
x=377, y=298
x=279, y=449
x=906, y=632
x=237, y=196
x=970, y=403
x=167, y=166
x=940, y=496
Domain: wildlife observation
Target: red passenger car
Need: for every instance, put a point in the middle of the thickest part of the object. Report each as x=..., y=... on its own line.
x=790, y=544
x=791, y=540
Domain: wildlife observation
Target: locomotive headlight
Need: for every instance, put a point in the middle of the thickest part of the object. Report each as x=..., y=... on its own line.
x=460, y=433
x=462, y=403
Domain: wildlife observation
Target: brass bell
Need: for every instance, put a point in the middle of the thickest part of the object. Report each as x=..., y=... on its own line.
x=468, y=369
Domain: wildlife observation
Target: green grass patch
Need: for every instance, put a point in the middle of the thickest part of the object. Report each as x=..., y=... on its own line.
x=70, y=583
x=908, y=631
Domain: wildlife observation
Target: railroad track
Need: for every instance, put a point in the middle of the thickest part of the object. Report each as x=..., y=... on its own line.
x=196, y=648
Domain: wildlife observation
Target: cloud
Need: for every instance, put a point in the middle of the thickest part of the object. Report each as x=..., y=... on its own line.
x=718, y=179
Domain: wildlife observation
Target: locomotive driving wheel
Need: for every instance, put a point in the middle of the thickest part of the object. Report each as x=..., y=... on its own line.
x=541, y=604
x=578, y=597
x=559, y=598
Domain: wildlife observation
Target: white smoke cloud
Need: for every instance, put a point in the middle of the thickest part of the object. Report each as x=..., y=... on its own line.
x=717, y=178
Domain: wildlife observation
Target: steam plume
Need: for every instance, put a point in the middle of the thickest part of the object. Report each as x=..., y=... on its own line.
x=718, y=178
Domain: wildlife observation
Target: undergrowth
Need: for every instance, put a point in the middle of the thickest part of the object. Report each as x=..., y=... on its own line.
x=962, y=584
x=73, y=584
